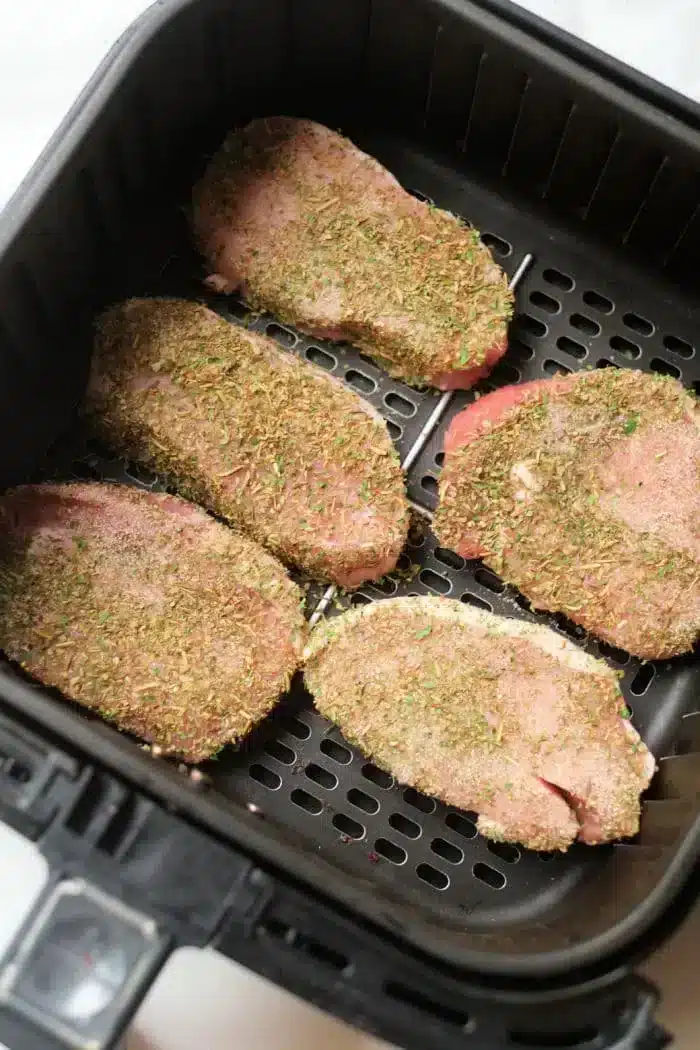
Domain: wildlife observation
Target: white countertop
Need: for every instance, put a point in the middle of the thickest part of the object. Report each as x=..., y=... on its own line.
x=48, y=50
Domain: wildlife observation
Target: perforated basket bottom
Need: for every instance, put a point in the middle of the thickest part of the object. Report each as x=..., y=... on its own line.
x=575, y=308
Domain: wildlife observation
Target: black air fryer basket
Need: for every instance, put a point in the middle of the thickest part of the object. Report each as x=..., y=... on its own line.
x=294, y=854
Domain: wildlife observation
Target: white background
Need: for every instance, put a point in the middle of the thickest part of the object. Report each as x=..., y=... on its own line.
x=48, y=49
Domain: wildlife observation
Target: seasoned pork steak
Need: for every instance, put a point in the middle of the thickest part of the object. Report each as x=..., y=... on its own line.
x=487, y=714
x=140, y=606
x=584, y=492
x=310, y=227
x=265, y=440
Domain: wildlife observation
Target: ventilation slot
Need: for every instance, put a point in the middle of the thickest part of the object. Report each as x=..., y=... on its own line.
x=643, y=679
x=114, y=835
x=571, y=347
x=638, y=324
x=531, y=325
x=307, y=802
x=262, y=775
x=404, y=826
x=449, y=558
x=437, y=879
x=322, y=777
x=281, y=335
x=446, y=850
x=281, y=752
x=664, y=368
x=347, y=826
x=625, y=347
x=395, y=431
x=385, y=586
x=401, y=993
x=297, y=728
x=599, y=302
x=377, y=776
x=555, y=368
x=585, y=324
x=559, y=279
x=479, y=603
x=421, y=196
x=420, y=802
x=678, y=347
x=435, y=582
x=360, y=381
x=429, y=484
x=520, y=350
x=322, y=358
x=545, y=302
x=391, y=852
x=360, y=599
x=398, y=403
x=510, y=854
x=496, y=244
x=617, y=656
x=341, y=755
x=361, y=800
x=489, y=876
x=321, y=953
x=489, y=580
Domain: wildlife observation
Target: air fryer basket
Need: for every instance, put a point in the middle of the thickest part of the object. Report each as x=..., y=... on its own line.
x=583, y=189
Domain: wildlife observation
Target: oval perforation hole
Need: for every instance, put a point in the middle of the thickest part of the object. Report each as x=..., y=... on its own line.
x=276, y=749
x=377, y=776
x=306, y=801
x=571, y=347
x=281, y=335
x=555, y=368
x=360, y=381
x=473, y=599
x=625, y=347
x=618, y=656
x=678, y=346
x=447, y=850
x=358, y=598
x=322, y=358
x=395, y=431
x=390, y=851
x=496, y=244
x=643, y=679
x=404, y=826
x=558, y=279
x=449, y=558
x=235, y=307
x=435, y=582
x=664, y=368
x=489, y=876
x=489, y=580
x=296, y=727
x=439, y=459
x=420, y=802
x=638, y=324
x=520, y=350
x=547, y=855
x=599, y=302
x=505, y=373
x=421, y=196
x=262, y=775
x=385, y=585
x=399, y=403
x=505, y=850
x=574, y=630
x=531, y=325
x=361, y=800
x=603, y=362
x=347, y=826
x=429, y=483
x=461, y=825
x=341, y=755
x=435, y=878
x=321, y=776
x=585, y=324
x=545, y=302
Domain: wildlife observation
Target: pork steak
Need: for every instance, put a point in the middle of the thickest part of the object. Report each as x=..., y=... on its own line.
x=312, y=228
x=143, y=608
x=262, y=438
x=488, y=714
x=584, y=492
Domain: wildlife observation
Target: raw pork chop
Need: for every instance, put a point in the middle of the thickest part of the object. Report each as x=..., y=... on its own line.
x=258, y=436
x=308, y=226
x=584, y=492
x=488, y=714
x=140, y=606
